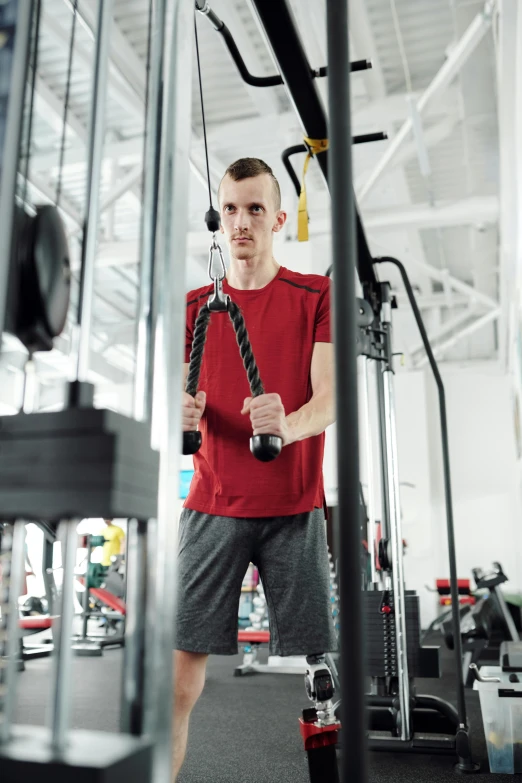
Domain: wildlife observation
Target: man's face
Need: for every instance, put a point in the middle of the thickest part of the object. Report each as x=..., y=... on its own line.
x=249, y=216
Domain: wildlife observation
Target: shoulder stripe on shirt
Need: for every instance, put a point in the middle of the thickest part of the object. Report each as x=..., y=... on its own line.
x=306, y=288
x=197, y=299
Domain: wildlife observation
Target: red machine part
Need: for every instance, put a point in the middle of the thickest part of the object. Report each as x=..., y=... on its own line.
x=36, y=622
x=253, y=637
x=464, y=588
x=318, y=736
x=107, y=598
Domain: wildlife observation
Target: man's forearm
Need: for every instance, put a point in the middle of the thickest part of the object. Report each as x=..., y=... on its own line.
x=312, y=419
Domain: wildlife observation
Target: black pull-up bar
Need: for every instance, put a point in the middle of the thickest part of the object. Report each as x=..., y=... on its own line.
x=292, y=60
x=260, y=81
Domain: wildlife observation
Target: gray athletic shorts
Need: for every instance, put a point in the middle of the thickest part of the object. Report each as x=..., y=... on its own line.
x=291, y=555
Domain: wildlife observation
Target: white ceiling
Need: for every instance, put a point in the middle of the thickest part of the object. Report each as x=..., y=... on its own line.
x=440, y=218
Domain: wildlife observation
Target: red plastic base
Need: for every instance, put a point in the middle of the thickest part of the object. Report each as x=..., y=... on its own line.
x=318, y=736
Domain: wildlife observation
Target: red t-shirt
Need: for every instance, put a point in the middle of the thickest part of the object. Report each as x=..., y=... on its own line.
x=283, y=320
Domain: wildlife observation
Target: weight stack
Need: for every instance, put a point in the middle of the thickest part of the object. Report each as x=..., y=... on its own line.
x=381, y=652
x=79, y=462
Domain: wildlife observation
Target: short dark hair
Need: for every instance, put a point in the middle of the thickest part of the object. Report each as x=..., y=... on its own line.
x=253, y=167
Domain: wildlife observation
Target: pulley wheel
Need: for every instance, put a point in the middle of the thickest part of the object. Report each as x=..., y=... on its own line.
x=44, y=278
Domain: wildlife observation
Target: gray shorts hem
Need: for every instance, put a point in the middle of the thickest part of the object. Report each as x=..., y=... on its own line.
x=302, y=650
x=210, y=650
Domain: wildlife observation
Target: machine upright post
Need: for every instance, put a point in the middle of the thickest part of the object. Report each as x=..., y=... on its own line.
x=133, y=695
x=170, y=331
x=9, y=154
x=344, y=252
x=12, y=585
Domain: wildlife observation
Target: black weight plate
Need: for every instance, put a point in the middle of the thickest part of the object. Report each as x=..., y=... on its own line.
x=52, y=267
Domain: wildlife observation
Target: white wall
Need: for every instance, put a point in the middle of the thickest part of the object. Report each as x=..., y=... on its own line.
x=484, y=473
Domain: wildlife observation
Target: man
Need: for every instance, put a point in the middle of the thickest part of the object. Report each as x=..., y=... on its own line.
x=114, y=538
x=239, y=510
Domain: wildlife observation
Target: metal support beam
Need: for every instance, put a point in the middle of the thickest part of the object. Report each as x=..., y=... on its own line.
x=459, y=54
x=442, y=348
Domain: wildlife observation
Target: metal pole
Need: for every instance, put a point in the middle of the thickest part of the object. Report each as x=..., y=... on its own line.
x=370, y=477
x=133, y=701
x=82, y=332
x=385, y=492
x=62, y=654
x=12, y=584
x=171, y=250
x=143, y=383
x=399, y=598
x=345, y=326
x=86, y=594
x=9, y=155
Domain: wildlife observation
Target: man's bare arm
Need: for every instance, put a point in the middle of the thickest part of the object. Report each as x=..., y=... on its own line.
x=317, y=414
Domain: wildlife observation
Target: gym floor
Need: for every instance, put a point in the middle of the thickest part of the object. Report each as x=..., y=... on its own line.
x=244, y=729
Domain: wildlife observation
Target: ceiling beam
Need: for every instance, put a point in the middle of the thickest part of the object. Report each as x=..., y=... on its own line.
x=458, y=55
x=469, y=211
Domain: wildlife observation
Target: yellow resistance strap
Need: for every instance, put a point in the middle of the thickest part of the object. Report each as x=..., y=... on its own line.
x=315, y=147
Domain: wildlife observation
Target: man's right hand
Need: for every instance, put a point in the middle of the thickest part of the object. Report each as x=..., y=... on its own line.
x=192, y=409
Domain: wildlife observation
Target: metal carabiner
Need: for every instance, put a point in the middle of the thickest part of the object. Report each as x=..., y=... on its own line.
x=218, y=301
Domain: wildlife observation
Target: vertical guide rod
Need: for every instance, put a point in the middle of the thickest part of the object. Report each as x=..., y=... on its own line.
x=370, y=475
x=82, y=331
x=134, y=657
x=385, y=492
x=15, y=580
x=171, y=252
x=399, y=596
x=345, y=325
x=143, y=384
x=10, y=153
x=61, y=679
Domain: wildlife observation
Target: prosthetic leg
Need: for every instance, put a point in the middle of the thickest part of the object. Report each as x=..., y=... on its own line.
x=319, y=725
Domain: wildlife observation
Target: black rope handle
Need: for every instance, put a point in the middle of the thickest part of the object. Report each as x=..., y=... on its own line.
x=264, y=447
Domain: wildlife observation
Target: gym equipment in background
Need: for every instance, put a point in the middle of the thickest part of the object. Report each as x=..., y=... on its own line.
x=98, y=602
x=85, y=462
x=484, y=626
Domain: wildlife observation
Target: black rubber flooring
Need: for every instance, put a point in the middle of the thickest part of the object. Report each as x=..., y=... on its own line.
x=244, y=729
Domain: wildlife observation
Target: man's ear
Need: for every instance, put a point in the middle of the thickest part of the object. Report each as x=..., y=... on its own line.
x=280, y=221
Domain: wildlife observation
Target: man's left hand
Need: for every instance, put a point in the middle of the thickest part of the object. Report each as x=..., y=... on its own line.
x=267, y=415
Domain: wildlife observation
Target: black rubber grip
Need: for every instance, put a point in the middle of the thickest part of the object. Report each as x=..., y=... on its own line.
x=265, y=448
x=191, y=442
